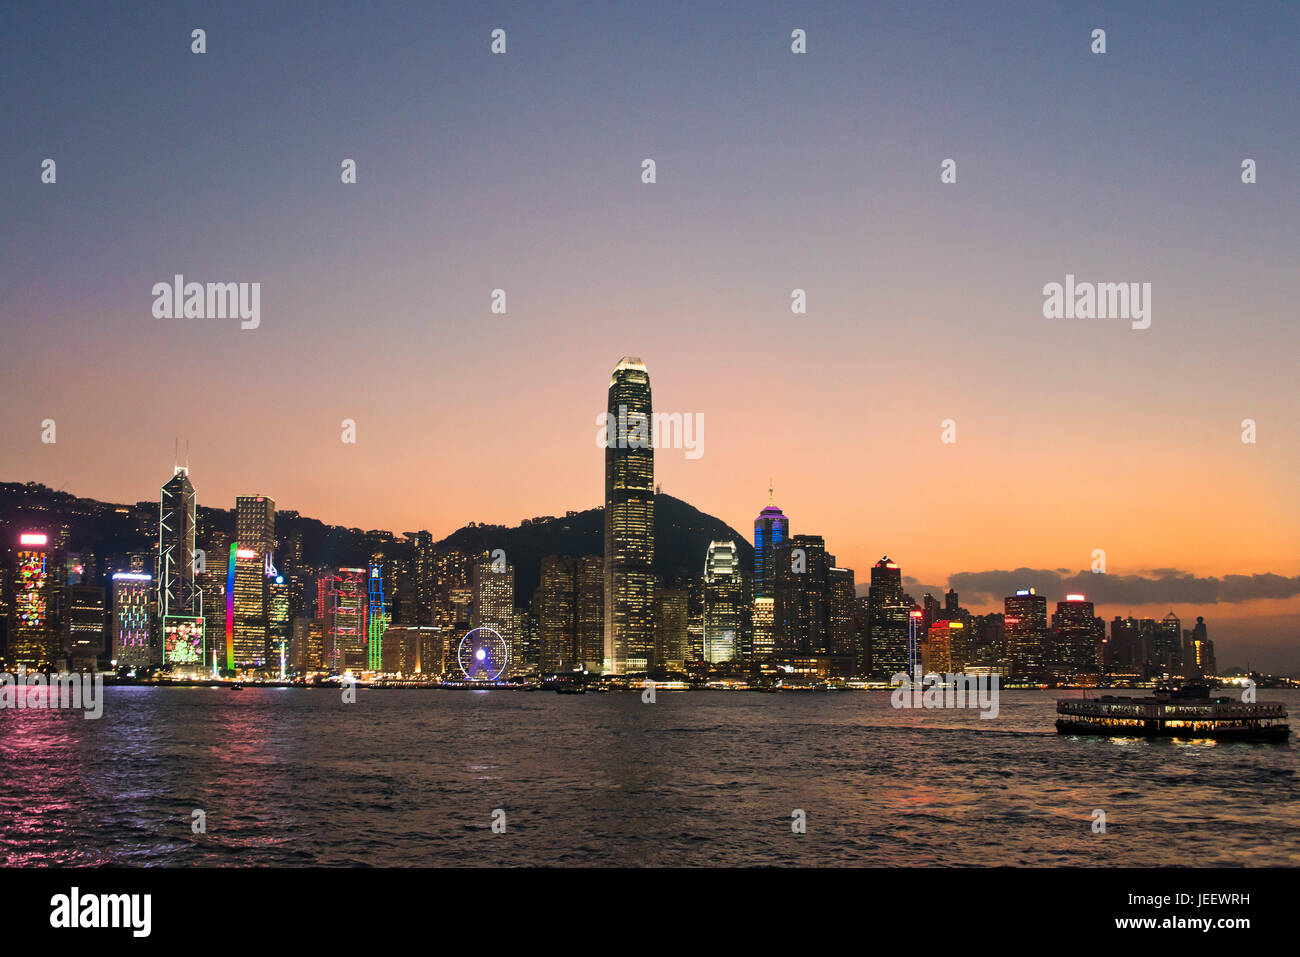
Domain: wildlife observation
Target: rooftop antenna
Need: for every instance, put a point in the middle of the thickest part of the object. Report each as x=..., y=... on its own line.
x=771, y=493
x=187, y=456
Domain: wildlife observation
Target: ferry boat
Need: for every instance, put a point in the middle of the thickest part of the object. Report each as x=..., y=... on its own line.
x=1187, y=712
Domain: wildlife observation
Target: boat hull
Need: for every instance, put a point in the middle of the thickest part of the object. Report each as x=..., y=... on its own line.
x=1152, y=729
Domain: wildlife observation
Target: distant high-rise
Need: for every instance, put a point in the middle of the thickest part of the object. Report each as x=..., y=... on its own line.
x=801, y=618
x=255, y=538
x=32, y=639
x=670, y=628
x=376, y=617
x=930, y=610
x=556, y=605
x=771, y=528
x=278, y=625
x=589, y=612
x=1074, y=645
x=1198, y=653
x=1124, y=649
x=180, y=599
x=343, y=604
x=887, y=619
x=841, y=600
x=178, y=595
x=1167, y=649
x=1025, y=622
x=629, y=521
x=724, y=604
x=569, y=610
x=83, y=626
x=494, y=602
x=988, y=641
x=133, y=620
x=936, y=650
x=762, y=616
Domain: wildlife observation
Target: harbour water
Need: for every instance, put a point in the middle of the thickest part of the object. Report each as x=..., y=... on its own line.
x=292, y=777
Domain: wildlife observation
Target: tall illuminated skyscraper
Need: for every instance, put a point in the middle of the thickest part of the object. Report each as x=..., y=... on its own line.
x=255, y=538
x=801, y=619
x=1026, y=631
x=724, y=604
x=629, y=521
x=180, y=601
x=177, y=592
x=278, y=626
x=555, y=605
x=494, y=602
x=33, y=638
x=841, y=600
x=343, y=604
x=133, y=620
x=1074, y=631
x=1167, y=648
x=590, y=611
x=888, y=612
x=378, y=618
x=771, y=528
x=761, y=617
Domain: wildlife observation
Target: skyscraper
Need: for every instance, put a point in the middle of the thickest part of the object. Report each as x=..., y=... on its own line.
x=589, y=575
x=342, y=603
x=771, y=528
x=83, y=626
x=629, y=521
x=278, y=625
x=1025, y=622
x=494, y=602
x=377, y=618
x=761, y=622
x=1168, y=645
x=840, y=601
x=670, y=628
x=556, y=605
x=724, y=604
x=887, y=619
x=936, y=650
x=177, y=592
x=1074, y=626
x=801, y=617
x=32, y=640
x=180, y=600
x=1198, y=653
x=133, y=619
x=255, y=537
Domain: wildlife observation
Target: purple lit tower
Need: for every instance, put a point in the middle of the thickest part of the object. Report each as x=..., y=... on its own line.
x=771, y=528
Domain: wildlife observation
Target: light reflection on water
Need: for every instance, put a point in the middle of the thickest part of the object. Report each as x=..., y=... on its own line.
x=704, y=778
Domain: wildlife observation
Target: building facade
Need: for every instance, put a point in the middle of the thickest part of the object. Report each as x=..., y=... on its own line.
x=629, y=521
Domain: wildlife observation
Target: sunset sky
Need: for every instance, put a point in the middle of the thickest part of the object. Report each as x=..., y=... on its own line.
x=775, y=171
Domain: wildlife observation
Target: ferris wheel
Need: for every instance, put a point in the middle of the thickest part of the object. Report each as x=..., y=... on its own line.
x=483, y=655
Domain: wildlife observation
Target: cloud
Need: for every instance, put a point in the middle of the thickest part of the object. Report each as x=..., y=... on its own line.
x=910, y=585
x=1160, y=586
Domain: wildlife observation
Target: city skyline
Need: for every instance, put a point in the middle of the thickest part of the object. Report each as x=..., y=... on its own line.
x=256, y=516
x=776, y=172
